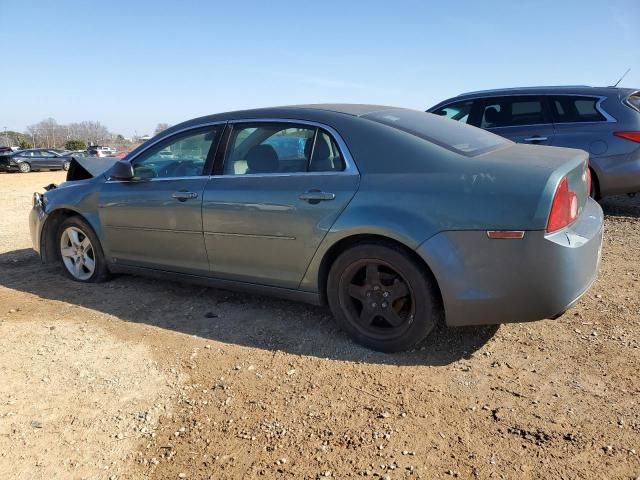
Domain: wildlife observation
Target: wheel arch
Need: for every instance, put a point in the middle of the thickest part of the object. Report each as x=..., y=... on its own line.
x=48, y=241
x=352, y=240
x=596, y=183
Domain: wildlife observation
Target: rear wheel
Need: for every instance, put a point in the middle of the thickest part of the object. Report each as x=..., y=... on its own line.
x=66, y=164
x=24, y=167
x=382, y=297
x=594, y=188
x=80, y=251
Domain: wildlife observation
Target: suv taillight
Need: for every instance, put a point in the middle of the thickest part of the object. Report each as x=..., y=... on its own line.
x=564, y=209
x=633, y=136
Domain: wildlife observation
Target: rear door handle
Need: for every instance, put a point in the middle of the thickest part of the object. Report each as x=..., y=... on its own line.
x=535, y=139
x=183, y=196
x=316, y=196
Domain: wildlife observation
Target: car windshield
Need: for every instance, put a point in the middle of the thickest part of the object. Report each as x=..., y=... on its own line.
x=450, y=134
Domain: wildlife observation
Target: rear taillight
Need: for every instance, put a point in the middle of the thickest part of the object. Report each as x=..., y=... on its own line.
x=633, y=136
x=564, y=209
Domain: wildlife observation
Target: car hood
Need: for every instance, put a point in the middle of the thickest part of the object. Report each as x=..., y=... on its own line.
x=82, y=168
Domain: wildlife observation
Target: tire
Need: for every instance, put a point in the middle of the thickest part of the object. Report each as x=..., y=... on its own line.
x=24, y=167
x=382, y=297
x=80, y=251
x=595, y=189
x=65, y=165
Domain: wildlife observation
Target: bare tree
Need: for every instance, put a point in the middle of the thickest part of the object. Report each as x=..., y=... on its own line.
x=161, y=127
x=47, y=133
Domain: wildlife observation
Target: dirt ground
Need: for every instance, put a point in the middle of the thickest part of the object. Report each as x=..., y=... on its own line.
x=148, y=379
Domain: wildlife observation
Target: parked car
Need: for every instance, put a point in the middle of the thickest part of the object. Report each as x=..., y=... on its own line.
x=98, y=151
x=396, y=218
x=77, y=153
x=602, y=121
x=25, y=161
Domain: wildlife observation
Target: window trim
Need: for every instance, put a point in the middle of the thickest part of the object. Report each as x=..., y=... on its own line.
x=206, y=171
x=350, y=166
x=481, y=100
x=598, y=106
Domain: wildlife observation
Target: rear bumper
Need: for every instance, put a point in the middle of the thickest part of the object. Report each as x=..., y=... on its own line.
x=488, y=281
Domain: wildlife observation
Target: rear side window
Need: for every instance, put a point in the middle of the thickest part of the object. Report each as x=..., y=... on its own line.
x=570, y=109
x=281, y=148
x=512, y=111
x=458, y=137
x=634, y=101
x=459, y=111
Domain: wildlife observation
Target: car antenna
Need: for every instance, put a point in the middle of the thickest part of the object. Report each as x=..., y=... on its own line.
x=625, y=74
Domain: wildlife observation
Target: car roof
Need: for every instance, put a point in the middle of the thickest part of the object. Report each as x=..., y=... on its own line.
x=322, y=112
x=295, y=111
x=548, y=90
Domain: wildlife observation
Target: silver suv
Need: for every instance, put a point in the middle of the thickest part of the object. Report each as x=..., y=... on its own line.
x=602, y=121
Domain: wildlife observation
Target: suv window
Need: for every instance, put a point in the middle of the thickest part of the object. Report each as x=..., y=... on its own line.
x=183, y=155
x=567, y=108
x=512, y=111
x=634, y=101
x=459, y=111
x=281, y=148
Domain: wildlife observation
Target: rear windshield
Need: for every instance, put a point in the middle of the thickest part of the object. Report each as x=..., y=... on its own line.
x=452, y=135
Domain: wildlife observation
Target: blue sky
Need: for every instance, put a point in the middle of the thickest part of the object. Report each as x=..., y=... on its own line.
x=133, y=64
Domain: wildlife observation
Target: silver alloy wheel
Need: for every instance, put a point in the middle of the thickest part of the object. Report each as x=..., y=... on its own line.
x=24, y=167
x=77, y=253
x=66, y=165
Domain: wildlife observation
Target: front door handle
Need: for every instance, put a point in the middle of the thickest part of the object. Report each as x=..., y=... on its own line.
x=535, y=138
x=183, y=196
x=316, y=196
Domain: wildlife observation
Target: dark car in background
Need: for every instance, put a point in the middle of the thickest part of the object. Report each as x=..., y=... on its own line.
x=396, y=218
x=603, y=121
x=25, y=161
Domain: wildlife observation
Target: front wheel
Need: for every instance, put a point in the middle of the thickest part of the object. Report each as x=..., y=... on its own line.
x=80, y=251
x=383, y=297
x=24, y=167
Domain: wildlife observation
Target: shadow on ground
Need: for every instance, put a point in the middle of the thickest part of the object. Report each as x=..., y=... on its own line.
x=242, y=319
x=621, y=206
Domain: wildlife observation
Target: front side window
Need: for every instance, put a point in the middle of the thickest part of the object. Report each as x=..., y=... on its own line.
x=459, y=111
x=280, y=148
x=183, y=155
x=570, y=109
x=512, y=111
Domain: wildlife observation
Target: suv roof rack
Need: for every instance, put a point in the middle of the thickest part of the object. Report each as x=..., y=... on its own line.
x=511, y=89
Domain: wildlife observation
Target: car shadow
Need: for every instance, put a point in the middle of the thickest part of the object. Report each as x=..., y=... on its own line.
x=229, y=317
x=621, y=206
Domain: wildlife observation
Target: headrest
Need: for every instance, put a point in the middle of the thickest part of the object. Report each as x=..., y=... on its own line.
x=492, y=115
x=321, y=155
x=262, y=159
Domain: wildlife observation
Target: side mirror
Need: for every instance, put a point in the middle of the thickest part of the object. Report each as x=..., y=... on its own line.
x=122, y=170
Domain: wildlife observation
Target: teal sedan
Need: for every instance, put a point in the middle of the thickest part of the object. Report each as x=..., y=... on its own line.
x=397, y=219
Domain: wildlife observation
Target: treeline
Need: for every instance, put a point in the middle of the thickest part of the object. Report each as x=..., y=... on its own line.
x=49, y=133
